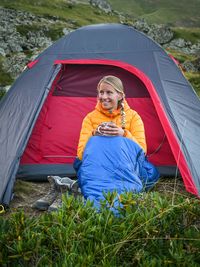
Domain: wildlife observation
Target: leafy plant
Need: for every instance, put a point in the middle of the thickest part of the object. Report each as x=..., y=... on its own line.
x=149, y=230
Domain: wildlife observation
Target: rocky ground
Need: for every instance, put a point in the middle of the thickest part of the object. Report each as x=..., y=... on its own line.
x=26, y=193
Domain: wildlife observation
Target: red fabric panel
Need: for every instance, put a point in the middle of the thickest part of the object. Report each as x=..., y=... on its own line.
x=56, y=134
x=55, y=137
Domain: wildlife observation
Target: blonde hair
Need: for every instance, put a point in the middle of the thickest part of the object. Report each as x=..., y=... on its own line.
x=117, y=84
x=114, y=81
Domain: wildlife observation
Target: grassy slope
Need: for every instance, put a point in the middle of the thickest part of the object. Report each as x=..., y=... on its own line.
x=192, y=34
x=155, y=11
x=81, y=13
x=162, y=11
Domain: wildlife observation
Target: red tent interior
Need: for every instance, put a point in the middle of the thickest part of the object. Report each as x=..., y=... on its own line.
x=73, y=94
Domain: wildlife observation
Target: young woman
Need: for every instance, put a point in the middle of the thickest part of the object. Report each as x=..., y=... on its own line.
x=112, y=147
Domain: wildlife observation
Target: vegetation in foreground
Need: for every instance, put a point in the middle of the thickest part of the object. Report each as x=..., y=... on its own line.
x=150, y=229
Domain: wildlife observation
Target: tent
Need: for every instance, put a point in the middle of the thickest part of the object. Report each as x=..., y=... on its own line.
x=41, y=115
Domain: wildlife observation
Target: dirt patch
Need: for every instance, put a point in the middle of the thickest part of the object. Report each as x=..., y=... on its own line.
x=25, y=194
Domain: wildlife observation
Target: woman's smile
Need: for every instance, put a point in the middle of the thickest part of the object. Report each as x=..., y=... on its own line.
x=108, y=96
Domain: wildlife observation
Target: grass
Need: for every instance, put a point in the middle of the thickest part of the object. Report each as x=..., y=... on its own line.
x=174, y=13
x=194, y=79
x=192, y=34
x=167, y=12
x=181, y=57
x=152, y=229
x=80, y=14
x=54, y=32
x=5, y=78
x=2, y=93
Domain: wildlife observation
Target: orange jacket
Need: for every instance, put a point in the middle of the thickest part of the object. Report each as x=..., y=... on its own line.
x=134, y=126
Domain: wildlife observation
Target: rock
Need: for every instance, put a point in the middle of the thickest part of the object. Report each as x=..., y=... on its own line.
x=184, y=46
x=2, y=52
x=15, y=64
x=10, y=40
x=5, y=88
x=188, y=66
x=37, y=39
x=192, y=66
x=142, y=26
x=180, y=45
x=159, y=33
x=195, y=48
x=66, y=31
x=102, y=4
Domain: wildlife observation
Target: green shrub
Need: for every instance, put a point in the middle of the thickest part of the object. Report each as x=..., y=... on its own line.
x=149, y=230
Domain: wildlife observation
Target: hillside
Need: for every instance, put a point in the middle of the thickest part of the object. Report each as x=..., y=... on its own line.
x=175, y=13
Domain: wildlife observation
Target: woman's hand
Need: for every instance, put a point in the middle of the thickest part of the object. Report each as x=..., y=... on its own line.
x=110, y=129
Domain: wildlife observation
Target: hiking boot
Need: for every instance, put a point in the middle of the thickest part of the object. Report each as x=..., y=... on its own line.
x=57, y=203
x=75, y=189
x=71, y=185
x=62, y=186
x=44, y=202
x=64, y=182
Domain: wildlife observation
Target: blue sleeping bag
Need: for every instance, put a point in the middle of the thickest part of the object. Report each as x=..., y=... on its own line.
x=113, y=164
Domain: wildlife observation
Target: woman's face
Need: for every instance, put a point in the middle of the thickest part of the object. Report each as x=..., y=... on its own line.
x=108, y=96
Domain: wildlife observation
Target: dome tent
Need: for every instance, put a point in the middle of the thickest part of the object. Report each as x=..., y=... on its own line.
x=41, y=115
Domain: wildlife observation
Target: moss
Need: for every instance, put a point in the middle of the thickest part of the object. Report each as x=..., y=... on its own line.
x=5, y=78
x=55, y=32
x=194, y=79
x=181, y=57
x=24, y=29
x=2, y=93
x=192, y=34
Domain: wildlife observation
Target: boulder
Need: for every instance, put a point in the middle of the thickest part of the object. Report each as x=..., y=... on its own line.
x=102, y=4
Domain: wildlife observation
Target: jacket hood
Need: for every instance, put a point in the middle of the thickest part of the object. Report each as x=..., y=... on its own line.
x=111, y=113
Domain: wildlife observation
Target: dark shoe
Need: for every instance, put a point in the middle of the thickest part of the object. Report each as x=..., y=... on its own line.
x=75, y=189
x=67, y=184
x=64, y=183
x=56, y=204
x=44, y=202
